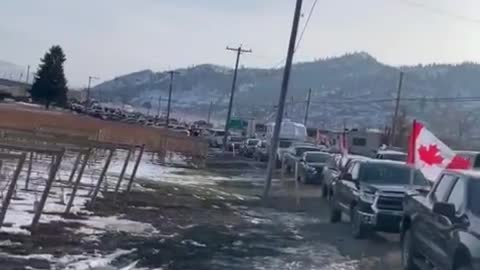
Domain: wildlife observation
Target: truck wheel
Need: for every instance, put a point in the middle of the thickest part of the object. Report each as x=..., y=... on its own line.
x=335, y=213
x=408, y=252
x=358, y=228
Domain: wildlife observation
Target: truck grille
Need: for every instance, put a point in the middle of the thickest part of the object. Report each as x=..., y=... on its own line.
x=390, y=203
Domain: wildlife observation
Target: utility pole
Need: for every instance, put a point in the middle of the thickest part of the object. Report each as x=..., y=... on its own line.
x=159, y=107
x=239, y=51
x=308, y=106
x=90, y=78
x=281, y=101
x=28, y=74
x=172, y=74
x=209, y=112
x=395, y=115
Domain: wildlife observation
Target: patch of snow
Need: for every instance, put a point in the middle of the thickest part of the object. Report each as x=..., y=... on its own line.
x=193, y=243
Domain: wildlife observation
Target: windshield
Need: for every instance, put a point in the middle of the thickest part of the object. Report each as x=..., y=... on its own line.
x=395, y=157
x=252, y=142
x=236, y=139
x=394, y=174
x=300, y=151
x=285, y=144
x=317, y=157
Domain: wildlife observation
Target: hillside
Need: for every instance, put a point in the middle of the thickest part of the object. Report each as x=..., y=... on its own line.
x=343, y=88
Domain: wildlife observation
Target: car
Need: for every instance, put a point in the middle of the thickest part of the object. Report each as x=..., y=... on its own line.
x=234, y=142
x=311, y=167
x=248, y=147
x=440, y=229
x=283, y=145
x=216, y=137
x=391, y=155
x=294, y=154
x=261, y=153
x=371, y=192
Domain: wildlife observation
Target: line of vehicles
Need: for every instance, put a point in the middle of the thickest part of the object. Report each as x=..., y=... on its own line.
x=438, y=222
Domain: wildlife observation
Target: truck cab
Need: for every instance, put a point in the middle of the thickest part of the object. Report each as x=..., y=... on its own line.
x=371, y=192
x=441, y=229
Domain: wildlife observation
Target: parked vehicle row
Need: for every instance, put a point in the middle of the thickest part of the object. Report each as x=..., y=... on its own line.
x=439, y=223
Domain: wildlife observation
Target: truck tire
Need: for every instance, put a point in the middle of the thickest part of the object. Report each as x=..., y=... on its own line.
x=335, y=213
x=358, y=228
x=408, y=252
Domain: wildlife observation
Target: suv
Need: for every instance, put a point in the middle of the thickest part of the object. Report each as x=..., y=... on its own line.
x=441, y=229
x=371, y=192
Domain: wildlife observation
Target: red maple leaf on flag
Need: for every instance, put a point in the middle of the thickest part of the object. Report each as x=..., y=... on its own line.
x=430, y=155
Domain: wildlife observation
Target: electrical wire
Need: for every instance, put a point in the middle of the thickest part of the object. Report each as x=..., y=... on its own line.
x=439, y=11
x=300, y=38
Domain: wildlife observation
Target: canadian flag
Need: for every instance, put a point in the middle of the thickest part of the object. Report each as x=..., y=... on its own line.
x=430, y=155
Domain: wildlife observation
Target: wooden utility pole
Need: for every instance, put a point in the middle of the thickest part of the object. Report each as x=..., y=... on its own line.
x=159, y=107
x=308, y=106
x=28, y=74
x=209, y=112
x=395, y=115
x=90, y=78
x=172, y=74
x=239, y=51
x=281, y=101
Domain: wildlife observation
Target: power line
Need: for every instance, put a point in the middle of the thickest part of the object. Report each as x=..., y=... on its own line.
x=439, y=11
x=297, y=45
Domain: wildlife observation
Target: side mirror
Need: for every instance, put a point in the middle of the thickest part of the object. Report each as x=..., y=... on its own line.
x=348, y=177
x=444, y=209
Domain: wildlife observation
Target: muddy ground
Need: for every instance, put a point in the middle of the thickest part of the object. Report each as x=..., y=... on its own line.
x=210, y=224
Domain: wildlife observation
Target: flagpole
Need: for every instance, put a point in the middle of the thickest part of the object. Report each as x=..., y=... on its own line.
x=412, y=152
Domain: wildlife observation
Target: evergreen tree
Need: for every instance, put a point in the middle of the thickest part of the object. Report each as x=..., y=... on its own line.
x=50, y=85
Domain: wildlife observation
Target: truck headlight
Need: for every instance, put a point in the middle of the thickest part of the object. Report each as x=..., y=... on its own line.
x=367, y=196
x=311, y=170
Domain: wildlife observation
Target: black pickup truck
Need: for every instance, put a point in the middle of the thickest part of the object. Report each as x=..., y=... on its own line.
x=441, y=229
x=371, y=192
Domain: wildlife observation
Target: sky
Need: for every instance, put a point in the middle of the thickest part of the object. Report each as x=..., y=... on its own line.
x=109, y=38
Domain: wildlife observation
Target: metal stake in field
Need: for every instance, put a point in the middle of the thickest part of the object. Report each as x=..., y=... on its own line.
x=46, y=191
x=102, y=176
x=172, y=74
x=135, y=168
x=239, y=51
x=124, y=169
x=6, y=200
x=77, y=181
x=281, y=102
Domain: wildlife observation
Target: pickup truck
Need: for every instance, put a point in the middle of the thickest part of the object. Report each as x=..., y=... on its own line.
x=311, y=167
x=441, y=229
x=371, y=192
x=295, y=152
